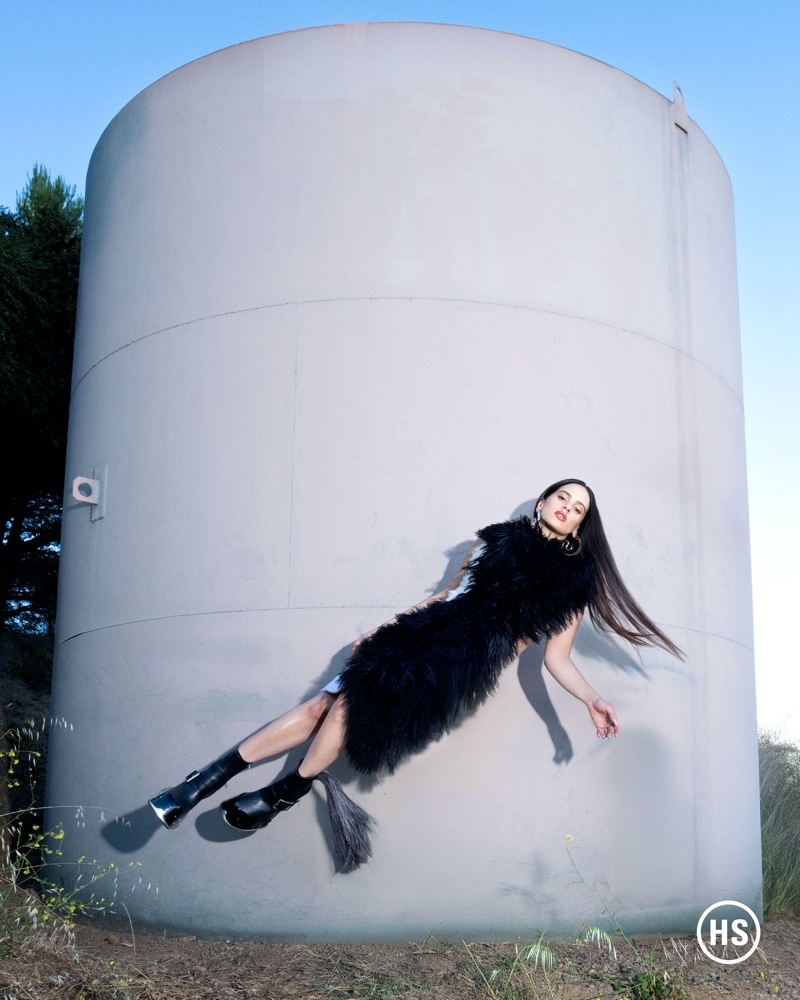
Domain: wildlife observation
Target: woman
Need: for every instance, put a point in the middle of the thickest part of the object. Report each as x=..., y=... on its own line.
x=406, y=682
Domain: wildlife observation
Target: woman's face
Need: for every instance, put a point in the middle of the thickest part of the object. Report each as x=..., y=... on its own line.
x=563, y=511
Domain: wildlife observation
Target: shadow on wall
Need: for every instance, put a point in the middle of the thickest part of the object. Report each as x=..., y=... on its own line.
x=128, y=833
x=530, y=671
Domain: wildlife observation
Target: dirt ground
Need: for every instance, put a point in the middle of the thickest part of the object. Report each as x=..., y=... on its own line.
x=98, y=962
x=101, y=963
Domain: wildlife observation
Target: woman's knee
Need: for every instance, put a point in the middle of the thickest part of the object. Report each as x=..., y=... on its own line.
x=320, y=705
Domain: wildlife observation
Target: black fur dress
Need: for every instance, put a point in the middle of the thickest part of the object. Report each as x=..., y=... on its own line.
x=408, y=682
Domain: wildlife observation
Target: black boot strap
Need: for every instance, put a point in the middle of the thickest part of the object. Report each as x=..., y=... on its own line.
x=280, y=805
x=291, y=788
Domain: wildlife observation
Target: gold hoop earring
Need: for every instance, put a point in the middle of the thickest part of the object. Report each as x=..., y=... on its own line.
x=571, y=545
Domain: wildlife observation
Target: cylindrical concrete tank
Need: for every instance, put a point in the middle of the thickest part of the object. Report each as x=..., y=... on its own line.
x=348, y=294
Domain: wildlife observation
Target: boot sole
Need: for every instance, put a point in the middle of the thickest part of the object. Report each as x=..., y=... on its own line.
x=253, y=822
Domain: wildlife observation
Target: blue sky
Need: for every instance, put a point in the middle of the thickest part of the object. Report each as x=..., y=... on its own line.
x=68, y=66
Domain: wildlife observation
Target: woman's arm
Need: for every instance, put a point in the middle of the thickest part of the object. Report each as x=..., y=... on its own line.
x=558, y=661
x=438, y=596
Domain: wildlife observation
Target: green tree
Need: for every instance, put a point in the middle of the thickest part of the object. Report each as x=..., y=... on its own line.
x=39, y=261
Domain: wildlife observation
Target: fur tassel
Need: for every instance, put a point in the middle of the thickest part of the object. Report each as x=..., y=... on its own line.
x=351, y=826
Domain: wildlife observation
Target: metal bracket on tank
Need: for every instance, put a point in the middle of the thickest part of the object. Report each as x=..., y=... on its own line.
x=679, y=114
x=92, y=491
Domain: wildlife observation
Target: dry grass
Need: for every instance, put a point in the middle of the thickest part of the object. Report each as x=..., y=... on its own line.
x=100, y=963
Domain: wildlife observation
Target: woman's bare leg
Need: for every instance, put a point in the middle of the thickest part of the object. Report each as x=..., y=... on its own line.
x=320, y=715
x=254, y=810
x=328, y=743
x=288, y=730
x=325, y=718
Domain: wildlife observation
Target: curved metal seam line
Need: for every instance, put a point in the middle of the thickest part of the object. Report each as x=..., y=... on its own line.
x=706, y=632
x=333, y=607
x=415, y=298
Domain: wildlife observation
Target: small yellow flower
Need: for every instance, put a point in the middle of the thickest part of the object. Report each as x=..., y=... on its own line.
x=569, y=836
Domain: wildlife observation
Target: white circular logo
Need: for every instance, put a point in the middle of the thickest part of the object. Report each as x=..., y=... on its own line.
x=728, y=931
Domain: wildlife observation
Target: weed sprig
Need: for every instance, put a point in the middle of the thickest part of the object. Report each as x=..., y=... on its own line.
x=33, y=898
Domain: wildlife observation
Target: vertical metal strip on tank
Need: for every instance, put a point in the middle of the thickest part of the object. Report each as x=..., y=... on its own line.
x=686, y=409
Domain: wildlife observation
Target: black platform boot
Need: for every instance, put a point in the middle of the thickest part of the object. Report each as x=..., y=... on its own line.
x=253, y=810
x=351, y=827
x=173, y=804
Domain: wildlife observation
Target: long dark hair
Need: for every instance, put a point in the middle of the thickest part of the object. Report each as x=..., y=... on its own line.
x=613, y=608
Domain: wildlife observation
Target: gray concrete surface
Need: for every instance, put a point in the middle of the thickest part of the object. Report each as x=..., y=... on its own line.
x=348, y=294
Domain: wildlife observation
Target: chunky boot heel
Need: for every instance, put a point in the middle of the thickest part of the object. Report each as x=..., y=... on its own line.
x=254, y=810
x=171, y=805
x=167, y=809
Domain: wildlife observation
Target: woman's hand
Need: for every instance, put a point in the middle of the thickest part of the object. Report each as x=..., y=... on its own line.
x=604, y=717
